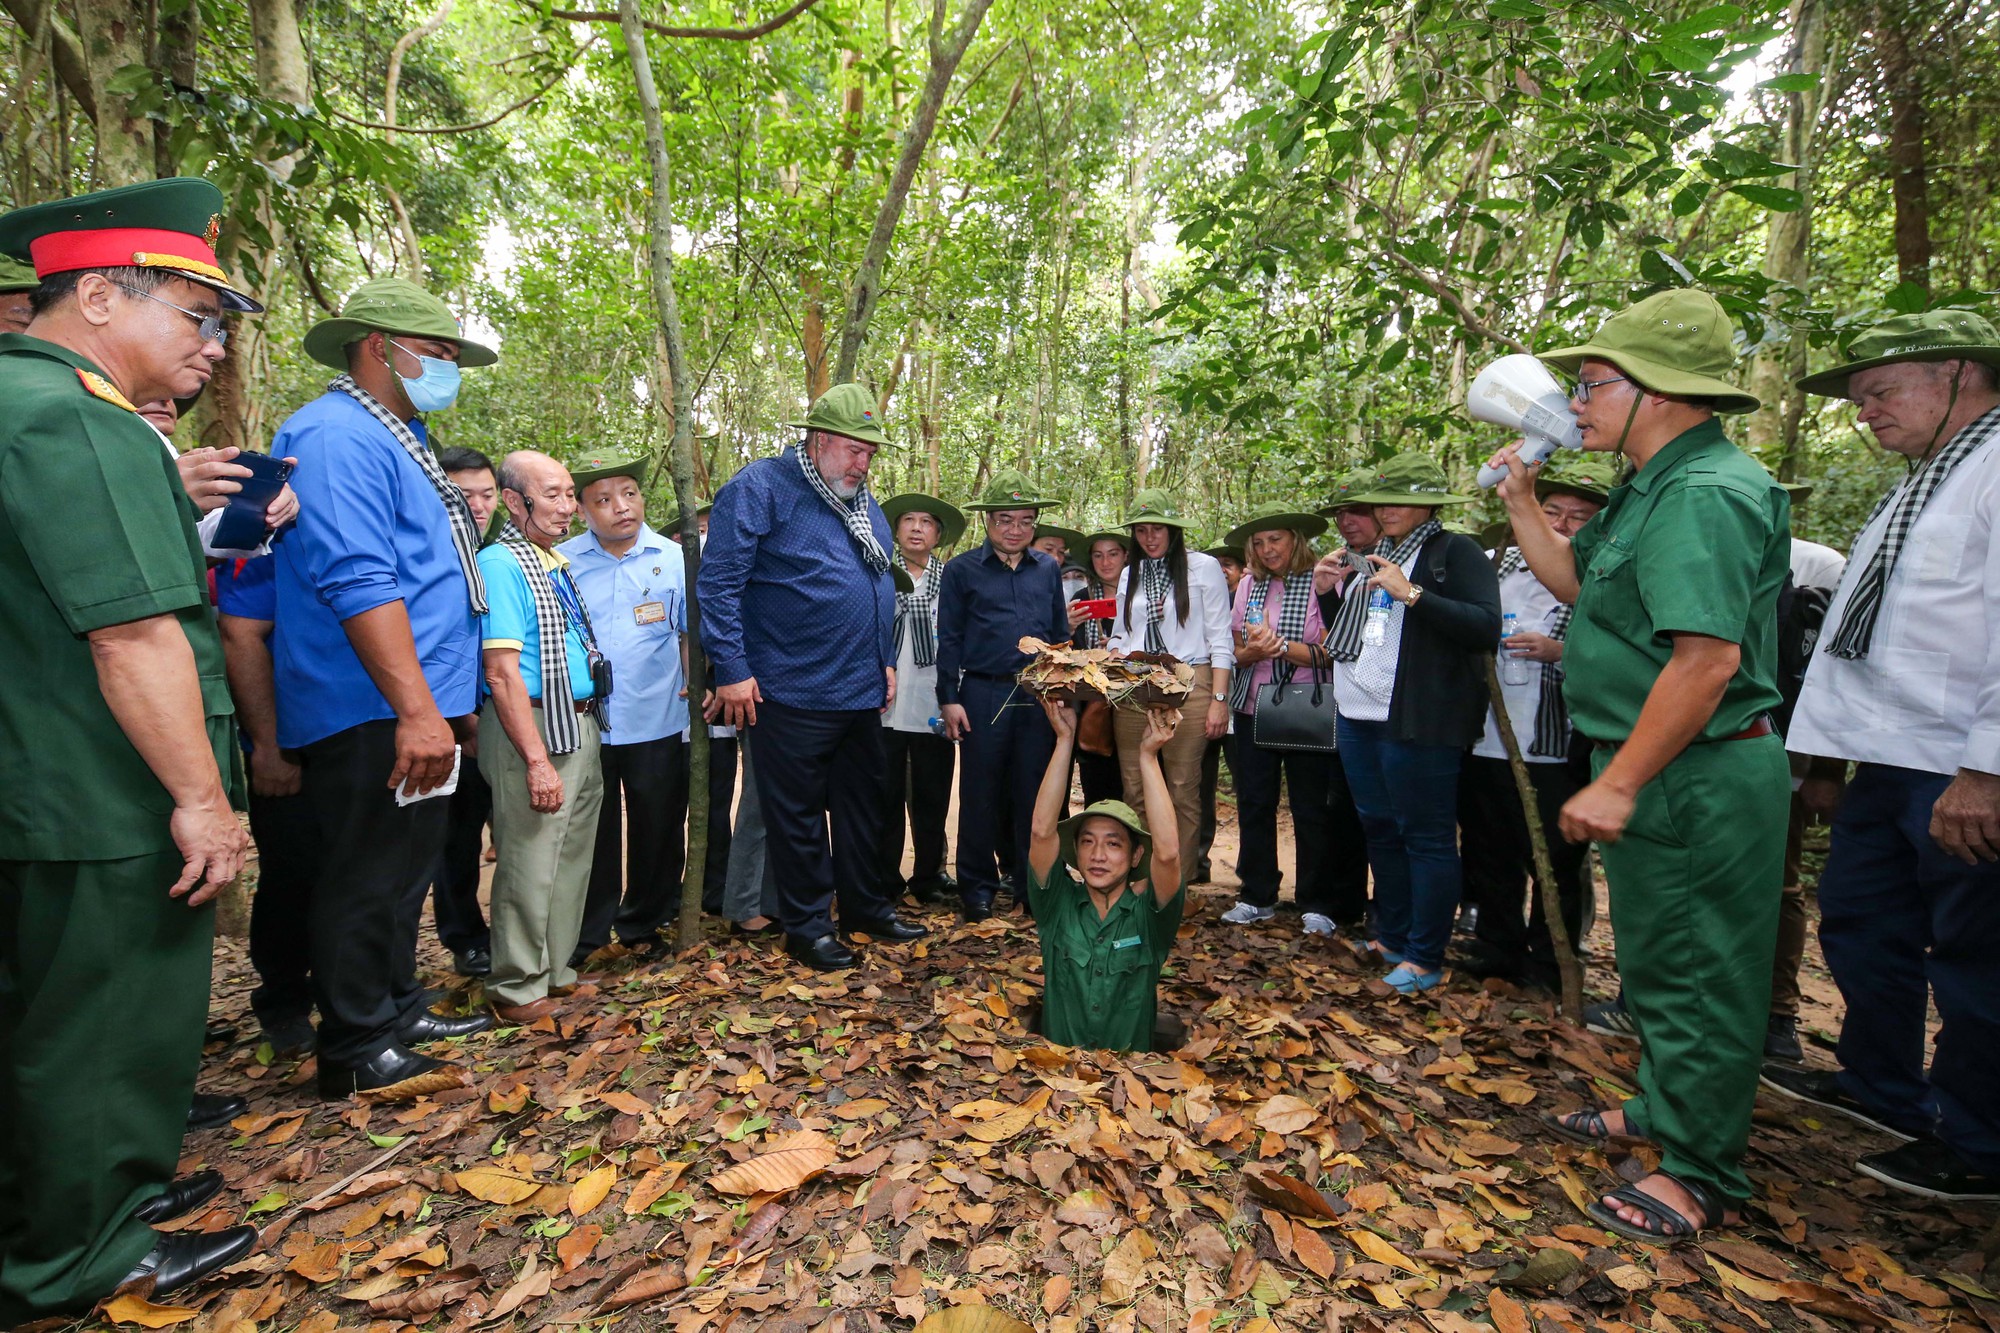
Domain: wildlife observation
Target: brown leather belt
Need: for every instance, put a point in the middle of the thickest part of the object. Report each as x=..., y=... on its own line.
x=1761, y=727
x=584, y=707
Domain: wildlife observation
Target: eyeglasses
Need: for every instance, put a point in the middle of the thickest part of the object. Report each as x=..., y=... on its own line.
x=211, y=328
x=1583, y=387
x=1010, y=521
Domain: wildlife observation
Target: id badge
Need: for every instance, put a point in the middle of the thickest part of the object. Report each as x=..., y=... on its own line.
x=650, y=613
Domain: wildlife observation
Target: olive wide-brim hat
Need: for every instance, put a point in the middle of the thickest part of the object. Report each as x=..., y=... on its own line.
x=1155, y=506
x=394, y=306
x=1934, y=335
x=845, y=409
x=1675, y=342
x=1124, y=814
x=951, y=522
x=602, y=467
x=1009, y=489
x=1408, y=479
x=1072, y=540
x=1589, y=476
x=1270, y=516
x=16, y=277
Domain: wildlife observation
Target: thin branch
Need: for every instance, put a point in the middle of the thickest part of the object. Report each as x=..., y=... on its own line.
x=718, y=34
x=470, y=126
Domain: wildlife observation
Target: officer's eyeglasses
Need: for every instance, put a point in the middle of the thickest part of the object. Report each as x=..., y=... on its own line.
x=211, y=328
x=1583, y=387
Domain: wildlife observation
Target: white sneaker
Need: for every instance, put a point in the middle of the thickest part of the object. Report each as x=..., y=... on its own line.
x=1318, y=923
x=1245, y=914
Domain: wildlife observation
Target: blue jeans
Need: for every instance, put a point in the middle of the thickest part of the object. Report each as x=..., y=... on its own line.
x=1407, y=797
x=1900, y=921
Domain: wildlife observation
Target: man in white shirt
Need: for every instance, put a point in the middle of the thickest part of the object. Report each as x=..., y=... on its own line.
x=920, y=760
x=1906, y=682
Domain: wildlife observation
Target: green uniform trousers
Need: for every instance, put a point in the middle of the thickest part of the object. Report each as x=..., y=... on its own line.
x=1695, y=884
x=103, y=995
x=542, y=874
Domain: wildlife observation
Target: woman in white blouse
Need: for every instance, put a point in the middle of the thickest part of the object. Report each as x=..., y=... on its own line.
x=1173, y=600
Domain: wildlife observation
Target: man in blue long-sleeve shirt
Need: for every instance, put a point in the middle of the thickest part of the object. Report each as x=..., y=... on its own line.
x=798, y=611
x=991, y=596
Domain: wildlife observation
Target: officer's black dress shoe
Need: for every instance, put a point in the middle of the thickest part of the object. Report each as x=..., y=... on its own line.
x=190, y=1256
x=474, y=962
x=381, y=1071
x=883, y=928
x=933, y=888
x=975, y=909
x=427, y=1026
x=209, y=1110
x=181, y=1197
x=288, y=1034
x=825, y=954
x=218, y=1032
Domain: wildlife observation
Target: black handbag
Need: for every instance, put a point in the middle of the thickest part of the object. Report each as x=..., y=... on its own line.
x=1296, y=715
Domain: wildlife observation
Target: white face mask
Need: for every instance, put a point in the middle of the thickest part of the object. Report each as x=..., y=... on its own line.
x=1072, y=583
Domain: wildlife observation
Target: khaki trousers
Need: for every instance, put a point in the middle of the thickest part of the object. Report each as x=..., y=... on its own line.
x=1180, y=762
x=542, y=875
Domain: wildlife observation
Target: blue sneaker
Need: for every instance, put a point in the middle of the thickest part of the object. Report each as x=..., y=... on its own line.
x=1408, y=981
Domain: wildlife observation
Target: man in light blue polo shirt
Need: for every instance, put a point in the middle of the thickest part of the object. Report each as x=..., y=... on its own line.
x=634, y=583
x=376, y=667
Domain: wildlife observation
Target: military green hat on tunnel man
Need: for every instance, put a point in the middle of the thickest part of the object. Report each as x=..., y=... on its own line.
x=394, y=306
x=1933, y=335
x=1351, y=484
x=1073, y=541
x=16, y=277
x=950, y=521
x=1408, y=478
x=1011, y=490
x=1590, y=476
x=1155, y=506
x=1675, y=342
x=1274, y=514
x=1124, y=814
x=604, y=466
x=170, y=225
x=846, y=410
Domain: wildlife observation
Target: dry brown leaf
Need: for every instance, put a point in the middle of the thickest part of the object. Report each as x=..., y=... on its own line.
x=1315, y=1253
x=453, y=1285
x=1290, y=1195
x=972, y=1319
x=319, y=1264
x=532, y=1284
x=1285, y=1115
x=130, y=1309
x=1481, y=1144
x=1756, y=1288
x=489, y=1184
x=1509, y=1315
x=803, y=1156
x=1125, y=1268
x=574, y=1248
x=645, y=1286
x=625, y=1103
x=1005, y=1126
x=1382, y=1252
x=1088, y=1208
x=1055, y=1293
x=652, y=1185
x=588, y=1193
x=861, y=1108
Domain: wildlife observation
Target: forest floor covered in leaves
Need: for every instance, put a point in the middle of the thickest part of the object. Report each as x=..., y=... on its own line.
x=726, y=1141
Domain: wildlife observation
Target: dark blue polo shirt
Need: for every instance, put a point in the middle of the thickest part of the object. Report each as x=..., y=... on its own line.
x=984, y=607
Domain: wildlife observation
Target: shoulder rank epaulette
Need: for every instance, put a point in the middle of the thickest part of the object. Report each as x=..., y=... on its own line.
x=97, y=386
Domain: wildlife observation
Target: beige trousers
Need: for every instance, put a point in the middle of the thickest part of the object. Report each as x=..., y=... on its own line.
x=1180, y=762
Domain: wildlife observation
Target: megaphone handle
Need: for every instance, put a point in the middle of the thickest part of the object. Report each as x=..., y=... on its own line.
x=1534, y=452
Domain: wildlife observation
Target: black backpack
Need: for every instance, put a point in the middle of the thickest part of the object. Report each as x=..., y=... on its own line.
x=1801, y=615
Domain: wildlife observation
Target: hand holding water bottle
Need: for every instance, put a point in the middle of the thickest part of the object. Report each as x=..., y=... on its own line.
x=1513, y=665
x=1387, y=586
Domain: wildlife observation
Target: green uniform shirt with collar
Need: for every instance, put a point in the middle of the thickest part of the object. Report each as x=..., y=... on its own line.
x=1697, y=542
x=98, y=532
x=1101, y=976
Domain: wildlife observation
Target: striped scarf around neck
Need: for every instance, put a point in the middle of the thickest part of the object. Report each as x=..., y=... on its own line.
x=1091, y=633
x=1343, y=640
x=559, y=727
x=1295, y=596
x=916, y=612
x=1551, y=712
x=1158, y=581
x=853, y=513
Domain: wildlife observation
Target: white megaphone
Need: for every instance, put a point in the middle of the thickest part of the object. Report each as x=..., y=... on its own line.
x=1518, y=392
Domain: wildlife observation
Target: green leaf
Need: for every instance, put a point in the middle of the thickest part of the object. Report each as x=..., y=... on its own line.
x=270, y=1203
x=1907, y=298
x=1715, y=18
x=386, y=1140
x=1663, y=270
x=1777, y=198
x=1791, y=83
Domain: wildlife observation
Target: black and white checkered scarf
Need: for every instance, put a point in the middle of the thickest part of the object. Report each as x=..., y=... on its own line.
x=1092, y=633
x=464, y=532
x=1856, y=631
x=1343, y=640
x=1551, y=713
x=1295, y=596
x=916, y=612
x=854, y=513
x=1159, y=584
x=559, y=727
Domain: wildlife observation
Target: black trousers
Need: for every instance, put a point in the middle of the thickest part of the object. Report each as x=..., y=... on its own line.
x=1007, y=751
x=1342, y=888
x=1499, y=862
x=1211, y=780
x=375, y=866
x=920, y=766
x=1103, y=780
x=635, y=877
x=455, y=894
x=721, y=820
x=814, y=769
x=1258, y=773
x=288, y=846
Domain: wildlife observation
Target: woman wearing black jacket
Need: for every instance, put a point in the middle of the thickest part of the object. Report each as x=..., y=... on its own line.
x=1410, y=644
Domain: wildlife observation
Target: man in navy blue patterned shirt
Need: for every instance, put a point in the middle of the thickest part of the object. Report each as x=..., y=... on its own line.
x=798, y=612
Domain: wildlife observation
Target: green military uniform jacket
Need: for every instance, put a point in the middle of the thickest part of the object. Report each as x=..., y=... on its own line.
x=98, y=532
x=1697, y=542
x=1101, y=977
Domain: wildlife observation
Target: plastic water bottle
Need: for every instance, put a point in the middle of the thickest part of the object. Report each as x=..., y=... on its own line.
x=1375, y=630
x=1254, y=616
x=936, y=725
x=1513, y=670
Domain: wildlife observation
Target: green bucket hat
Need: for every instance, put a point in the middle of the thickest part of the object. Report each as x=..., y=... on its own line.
x=16, y=277
x=1226, y=553
x=1274, y=514
x=1072, y=539
x=847, y=410
x=1934, y=335
x=1010, y=490
x=1124, y=814
x=1155, y=506
x=1672, y=342
x=602, y=467
x=949, y=518
x=701, y=511
x=395, y=306
x=1407, y=479
x=1590, y=476
x=1350, y=485
x=1800, y=491
x=1124, y=539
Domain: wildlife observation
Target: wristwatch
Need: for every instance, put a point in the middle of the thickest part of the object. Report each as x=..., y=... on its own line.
x=1416, y=591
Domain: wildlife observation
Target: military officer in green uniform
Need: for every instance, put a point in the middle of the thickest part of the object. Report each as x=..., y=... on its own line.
x=17, y=287
x=1670, y=668
x=118, y=760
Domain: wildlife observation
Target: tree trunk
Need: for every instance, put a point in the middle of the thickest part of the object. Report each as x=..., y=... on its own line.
x=113, y=35
x=278, y=55
x=915, y=138
x=667, y=304
x=1908, y=166
x=406, y=230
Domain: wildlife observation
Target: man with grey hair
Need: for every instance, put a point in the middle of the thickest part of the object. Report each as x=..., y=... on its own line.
x=539, y=739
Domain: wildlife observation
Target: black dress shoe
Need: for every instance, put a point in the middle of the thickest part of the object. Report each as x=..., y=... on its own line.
x=474, y=962
x=975, y=909
x=933, y=888
x=825, y=954
x=581, y=955
x=427, y=1026
x=883, y=928
x=288, y=1034
x=218, y=1032
x=190, y=1256
x=180, y=1198
x=209, y=1110
x=384, y=1069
